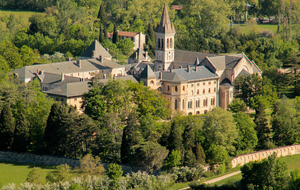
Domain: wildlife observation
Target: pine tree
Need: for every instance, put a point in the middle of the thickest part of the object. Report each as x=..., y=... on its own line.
x=131, y=137
x=200, y=155
x=21, y=134
x=188, y=137
x=175, y=138
x=115, y=35
x=102, y=14
x=262, y=128
x=7, y=128
x=150, y=40
x=189, y=159
x=101, y=37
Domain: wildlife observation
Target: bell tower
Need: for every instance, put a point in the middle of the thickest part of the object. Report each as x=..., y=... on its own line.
x=165, y=33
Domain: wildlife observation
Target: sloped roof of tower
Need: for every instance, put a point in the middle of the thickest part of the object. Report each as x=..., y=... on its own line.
x=165, y=25
x=148, y=73
x=99, y=50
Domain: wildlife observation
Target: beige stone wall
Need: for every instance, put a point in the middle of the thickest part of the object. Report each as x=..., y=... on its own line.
x=194, y=98
x=83, y=75
x=118, y=72
x=136, y=41
x=75, y=101
x=257, y=156
x=61, y=99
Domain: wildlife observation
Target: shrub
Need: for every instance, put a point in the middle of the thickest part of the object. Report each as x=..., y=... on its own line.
x=186, y=174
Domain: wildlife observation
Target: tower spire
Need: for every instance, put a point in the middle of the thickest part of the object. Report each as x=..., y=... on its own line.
x=165, y=25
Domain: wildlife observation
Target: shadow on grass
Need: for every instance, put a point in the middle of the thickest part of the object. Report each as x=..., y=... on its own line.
x=29, y=165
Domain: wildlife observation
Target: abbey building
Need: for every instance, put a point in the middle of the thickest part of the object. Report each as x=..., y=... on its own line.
x=194, y=82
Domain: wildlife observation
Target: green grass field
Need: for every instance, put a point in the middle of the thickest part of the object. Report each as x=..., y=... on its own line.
x=291, y=161
x=17, y=173
x=23, y=14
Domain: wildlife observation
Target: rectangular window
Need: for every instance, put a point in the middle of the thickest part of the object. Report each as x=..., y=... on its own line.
x=175, y=105
x=209, y=83
x=190, y=104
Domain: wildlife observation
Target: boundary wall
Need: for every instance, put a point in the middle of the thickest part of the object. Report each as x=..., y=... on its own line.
x=48, y=160
x=257, y=156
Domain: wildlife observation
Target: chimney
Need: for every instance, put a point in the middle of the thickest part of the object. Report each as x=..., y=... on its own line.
x=101, y=58
x=171, y=70
x=93, y=54
x=188, y=68
x=146, y=55
x=160, y=75
x=79, y=63
x=196, y=68
x=62, y=76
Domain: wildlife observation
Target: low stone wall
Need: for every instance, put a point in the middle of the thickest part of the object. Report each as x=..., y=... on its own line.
x=48, y=160
x=281, y=151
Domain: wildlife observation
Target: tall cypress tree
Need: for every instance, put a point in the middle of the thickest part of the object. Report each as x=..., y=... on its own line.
x=21, y=134
x=105, y=32
x=7, y=128
x=188, y=137
x=200, y=155
x=262, y=128
x=115, y=35
x=102, y=14
x=101, y=37
x=131, y=137
x=175, y=137
x=150, y=40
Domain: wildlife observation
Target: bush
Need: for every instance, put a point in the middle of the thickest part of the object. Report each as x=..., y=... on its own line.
x=185, y=174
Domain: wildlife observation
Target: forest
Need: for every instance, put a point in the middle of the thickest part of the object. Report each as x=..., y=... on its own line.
x=127, y=123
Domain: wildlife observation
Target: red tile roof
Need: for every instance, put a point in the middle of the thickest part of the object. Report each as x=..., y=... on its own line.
x=177, y=7
x=123, y=33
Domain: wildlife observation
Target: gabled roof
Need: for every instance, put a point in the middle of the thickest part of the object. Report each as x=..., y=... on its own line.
x=197, y=62
x=148, y=73
x=97, y=48
x=70, y=89
x=183, y=57
x=123, y=34
x=165, y=25
x=225, y=61
x=140, y=54
x=182, y=75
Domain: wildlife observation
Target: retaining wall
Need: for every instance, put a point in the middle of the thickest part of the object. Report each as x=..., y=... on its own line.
x=48, y=160
x=281, y=151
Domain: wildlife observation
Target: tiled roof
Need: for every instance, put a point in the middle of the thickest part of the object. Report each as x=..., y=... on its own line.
x=189, y=57
x=147, y=73
x=176, y=7
x=51, y=78
x=79, y=88
x=123, y=34
x=224, y=61
x=70, y=89
x=181, y=75
x=140, y=53
x=87, y=65
x=97, y=48
x=165, y=25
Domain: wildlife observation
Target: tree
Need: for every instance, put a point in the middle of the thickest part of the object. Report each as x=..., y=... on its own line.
x=173, y=160
x=61, y=173
x=91, y=165
x=285, y=124
x=175, y=137
x=200, y=155
x=189, y=159
x=237, y=106
x=101, y=37
x=115, y=35
x=35, y=176
x=131, y=137
x=7, y=127
x=114, y=172
x=21, y=134
x=252, y=89
x=262, y=128
x=247, y=138
x=269, y=173
x=102, y=14
x=148, y=155
x=220, y=130
x=188, y=138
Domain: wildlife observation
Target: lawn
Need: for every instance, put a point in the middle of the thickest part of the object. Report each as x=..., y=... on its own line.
x=23, y=14
x=17, y=173
x=291, y=161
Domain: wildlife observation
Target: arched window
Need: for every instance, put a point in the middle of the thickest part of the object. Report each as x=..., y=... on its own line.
x=171, y=42
x=151, y=82
x=197, y=105
x=197, y=112
x=159, y=89
x=183, y=88
x=168, y=88
x=203, y=91
x=209, y=90
x=176, y=88
x=205, y=102
x=192, y=92
x=190, y=103
x=175, y=104
x=158, y=43
x=168, y=43
x=212, y=101
x=162, y=43
x=198, y=91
